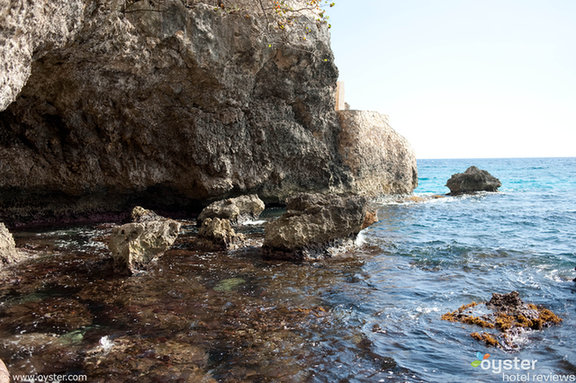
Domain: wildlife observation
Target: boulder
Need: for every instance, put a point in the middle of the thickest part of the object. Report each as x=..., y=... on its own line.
x=8, y=252
x=233, y=209
x=139, y=214
x=313, y=222
x=135, y=245
x=472, y=180
x=218, y=234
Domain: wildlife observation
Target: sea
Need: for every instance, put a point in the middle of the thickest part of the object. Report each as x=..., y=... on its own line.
x=440, y=253
x=373, y=313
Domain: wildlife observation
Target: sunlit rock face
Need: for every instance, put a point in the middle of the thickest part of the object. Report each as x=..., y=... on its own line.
x=112, y=103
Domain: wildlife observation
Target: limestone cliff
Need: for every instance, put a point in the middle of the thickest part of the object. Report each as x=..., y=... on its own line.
x=169, y=103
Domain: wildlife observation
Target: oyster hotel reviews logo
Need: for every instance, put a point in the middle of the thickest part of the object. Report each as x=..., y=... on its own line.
x=517, y=370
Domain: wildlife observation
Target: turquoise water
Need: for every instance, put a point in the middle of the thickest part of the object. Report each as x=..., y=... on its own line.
x=442, y=253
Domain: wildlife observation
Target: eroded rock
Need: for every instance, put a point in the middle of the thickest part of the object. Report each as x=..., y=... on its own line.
x=218, y=234
x=234, y=209
x=472, y=180
x=510, y=317
x=8, y=252
x=312, y=222
x=135, y=245
x=107, y=102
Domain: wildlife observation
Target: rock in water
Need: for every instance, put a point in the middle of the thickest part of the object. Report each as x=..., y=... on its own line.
x=312, y=222
x=218, y=234
x=234, y=209
x=472, y=180
x=135, y=245
x=106, y=102
x=8, y=252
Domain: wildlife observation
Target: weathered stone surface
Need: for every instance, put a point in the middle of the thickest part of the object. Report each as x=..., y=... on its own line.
x=125, y=100
x=472, y=180
x=379, y=159
x=135, y=245
x=234, y=209
x=312, y=222
x=218, y=234
x=8, y=252
x=139, y=214
x=510, y=317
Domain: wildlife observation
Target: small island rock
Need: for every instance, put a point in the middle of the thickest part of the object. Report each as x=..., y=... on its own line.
x=472, y=180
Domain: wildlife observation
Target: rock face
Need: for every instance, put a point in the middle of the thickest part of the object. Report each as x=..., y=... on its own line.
x=472, y=180
x=312, y=222
x=112, y=102
x=234, y=209
x=379, y=159
x=8, y=252
x=135, y=245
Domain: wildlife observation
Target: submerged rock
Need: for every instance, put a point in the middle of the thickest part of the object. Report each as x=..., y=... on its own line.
x=472, y=180
x=218, y=234
x=8, y=252
x=510, y=317
x=313, y=222
x=234, y=209
x=135, y=245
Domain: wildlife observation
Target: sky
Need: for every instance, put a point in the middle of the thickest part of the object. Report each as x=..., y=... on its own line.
x=463, y=78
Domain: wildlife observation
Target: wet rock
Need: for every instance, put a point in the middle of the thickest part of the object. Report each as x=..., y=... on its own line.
x=54, y=315
x=218, y=234
x=157, y=360
x=234, y=209
x=472, y=180
x=8, y=252
x=135, y=245
x=313, y=222
x=510, y=317
x=42, y=352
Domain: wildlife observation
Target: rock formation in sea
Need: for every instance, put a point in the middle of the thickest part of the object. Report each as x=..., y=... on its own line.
x=107, y=104
x=313, y=222
x=471, y=181
x=134, y=245
x=233, y=209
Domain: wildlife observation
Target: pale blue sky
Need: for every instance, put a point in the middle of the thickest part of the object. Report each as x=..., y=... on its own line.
x=464, y=78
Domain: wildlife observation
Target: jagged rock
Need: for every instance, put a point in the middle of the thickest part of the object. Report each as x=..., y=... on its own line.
x=380, y=160
x=472, y=180
x=218, y=234
x=8, y=252
x=510, y=317
x=312, y=222
x=139, y=214
x=135, y=245
x=108, y=102
x=234, y=209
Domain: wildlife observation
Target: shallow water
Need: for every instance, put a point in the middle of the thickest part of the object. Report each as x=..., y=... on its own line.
x=372, y=315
